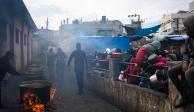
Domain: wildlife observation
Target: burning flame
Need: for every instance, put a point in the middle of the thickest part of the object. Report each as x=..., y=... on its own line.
x=32, y=102
x=53, y=92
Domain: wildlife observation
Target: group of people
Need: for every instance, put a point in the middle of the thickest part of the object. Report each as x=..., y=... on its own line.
x=146, y=56
x=150, y=54
x=56, y=65
x=147, y=61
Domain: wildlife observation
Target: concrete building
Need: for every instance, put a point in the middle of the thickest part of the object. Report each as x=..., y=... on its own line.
x=16, y=31
x=173, y=23
x=92, y=28
x=191, y=6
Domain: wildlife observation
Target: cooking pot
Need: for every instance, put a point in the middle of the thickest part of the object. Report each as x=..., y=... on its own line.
x=39, y=87
x=154, y=80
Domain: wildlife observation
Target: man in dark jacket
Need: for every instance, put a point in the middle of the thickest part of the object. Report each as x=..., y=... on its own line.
x=5, y=66
x=60, y=64
x=79, y=59
x=186, y=68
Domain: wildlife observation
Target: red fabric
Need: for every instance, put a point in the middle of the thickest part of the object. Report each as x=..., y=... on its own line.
x=134, y=70
x=140, y=55
x=160, y=63
x=116, y=55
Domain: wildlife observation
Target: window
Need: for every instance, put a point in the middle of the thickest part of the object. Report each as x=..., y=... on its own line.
x=25, y=39
x=17, y=36
x=3, y=31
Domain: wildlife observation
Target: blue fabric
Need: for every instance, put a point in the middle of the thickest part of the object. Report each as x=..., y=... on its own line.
x=103, y=42
x=176, y=38
x=146, y=31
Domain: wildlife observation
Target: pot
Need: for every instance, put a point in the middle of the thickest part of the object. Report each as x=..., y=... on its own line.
x=39, y=87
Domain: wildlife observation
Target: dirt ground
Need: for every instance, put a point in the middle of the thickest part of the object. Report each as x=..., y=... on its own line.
x=66, y=99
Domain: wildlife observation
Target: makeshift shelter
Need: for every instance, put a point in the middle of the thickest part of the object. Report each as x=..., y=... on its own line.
x=141, y=31
x=100, y=43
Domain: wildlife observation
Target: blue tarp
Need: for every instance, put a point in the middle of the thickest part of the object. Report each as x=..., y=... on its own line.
x=146, y=31
x=176, y=37
x=100, y=43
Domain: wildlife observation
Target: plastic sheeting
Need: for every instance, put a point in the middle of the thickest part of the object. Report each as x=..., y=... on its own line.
x=147, y=31
x=100, y=43
x=176, y=37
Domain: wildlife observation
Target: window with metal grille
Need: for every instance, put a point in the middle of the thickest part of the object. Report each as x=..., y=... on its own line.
x=3, y=31
x=17, y=35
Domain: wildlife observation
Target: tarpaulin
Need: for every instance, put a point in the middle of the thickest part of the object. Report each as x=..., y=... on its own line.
x=176, y=37
x=146, y=31
x=100, y=43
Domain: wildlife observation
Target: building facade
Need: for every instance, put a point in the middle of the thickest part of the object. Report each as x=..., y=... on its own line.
x=191, y=6
x=16, y=31
x=173, y=23
x=92, y=28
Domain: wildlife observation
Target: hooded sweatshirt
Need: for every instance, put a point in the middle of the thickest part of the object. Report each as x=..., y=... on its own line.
x=145, y=51
x=188, y=56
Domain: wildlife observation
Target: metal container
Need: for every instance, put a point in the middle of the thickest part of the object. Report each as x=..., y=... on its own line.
x=39, y=87
x=154, y=80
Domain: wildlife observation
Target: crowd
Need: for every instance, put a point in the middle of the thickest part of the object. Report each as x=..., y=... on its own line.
x=147, y=66
x=56, y=63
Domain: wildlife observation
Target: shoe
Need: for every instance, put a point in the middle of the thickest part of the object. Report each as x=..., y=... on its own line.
x=182, y=102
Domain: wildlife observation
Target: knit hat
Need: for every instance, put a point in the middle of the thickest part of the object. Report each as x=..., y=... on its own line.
x=156, y=45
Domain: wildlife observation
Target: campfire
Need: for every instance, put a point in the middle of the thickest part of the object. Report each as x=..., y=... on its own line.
x=36, y=96
x=53, y=93
x=32, y=102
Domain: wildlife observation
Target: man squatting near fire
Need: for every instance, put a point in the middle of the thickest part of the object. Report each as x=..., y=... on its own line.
x=185, y=85
x=5, y=67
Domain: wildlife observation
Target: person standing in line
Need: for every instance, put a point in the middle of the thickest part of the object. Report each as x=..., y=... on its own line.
x=79, y=59
x=60, y=64
x=185, y=84
x=51, y=65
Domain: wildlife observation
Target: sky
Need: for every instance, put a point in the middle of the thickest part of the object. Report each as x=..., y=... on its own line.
x=89, y=10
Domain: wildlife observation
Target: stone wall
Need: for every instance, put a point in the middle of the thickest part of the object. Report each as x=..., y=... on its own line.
x=131, y=98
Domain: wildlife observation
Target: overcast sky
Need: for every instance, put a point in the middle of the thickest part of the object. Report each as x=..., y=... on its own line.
x=56, y=10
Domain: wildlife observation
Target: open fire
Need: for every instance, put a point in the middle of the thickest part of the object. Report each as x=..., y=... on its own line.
x=36, y=96
x=53, y=92
x=32, y=103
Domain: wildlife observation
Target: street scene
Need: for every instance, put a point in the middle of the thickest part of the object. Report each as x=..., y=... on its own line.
x=105, y=56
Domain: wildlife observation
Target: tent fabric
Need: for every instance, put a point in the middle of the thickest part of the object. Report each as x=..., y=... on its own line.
x=176, y=38
x=146, y=31
x=102, y=42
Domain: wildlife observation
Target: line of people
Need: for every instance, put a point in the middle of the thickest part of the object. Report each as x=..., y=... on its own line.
x=56, y=65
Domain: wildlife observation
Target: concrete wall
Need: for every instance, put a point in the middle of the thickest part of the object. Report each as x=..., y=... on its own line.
x=15, y=20
x=131, y=98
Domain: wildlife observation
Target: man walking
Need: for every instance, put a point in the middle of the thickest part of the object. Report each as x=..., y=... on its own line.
x=60, y=64
x=79, y=59
x=51, y=65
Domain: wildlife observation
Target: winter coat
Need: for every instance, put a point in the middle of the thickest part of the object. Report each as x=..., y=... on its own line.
x=188, y=56
x=145, y=51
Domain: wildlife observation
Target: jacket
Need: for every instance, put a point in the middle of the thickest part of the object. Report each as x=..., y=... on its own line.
x=188, y=56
